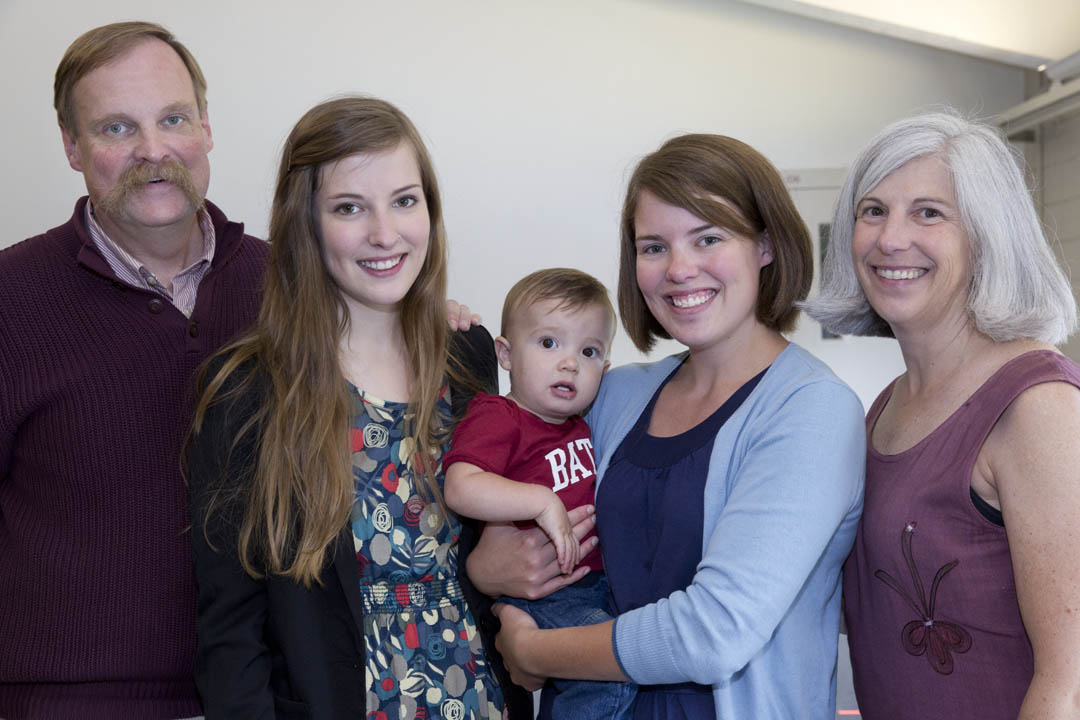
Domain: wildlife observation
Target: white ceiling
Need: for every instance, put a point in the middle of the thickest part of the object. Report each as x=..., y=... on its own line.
x=1026, y=33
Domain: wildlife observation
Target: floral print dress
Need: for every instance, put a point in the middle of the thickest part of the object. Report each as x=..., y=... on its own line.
x=424, y=654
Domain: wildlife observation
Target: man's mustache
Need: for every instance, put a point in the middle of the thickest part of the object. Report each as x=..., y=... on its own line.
x=141, y=174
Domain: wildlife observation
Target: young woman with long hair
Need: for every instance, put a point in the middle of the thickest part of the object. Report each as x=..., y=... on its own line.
x=325, y=556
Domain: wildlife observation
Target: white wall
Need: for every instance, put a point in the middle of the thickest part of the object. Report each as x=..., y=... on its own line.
x=1058, y=183
x=535, y=111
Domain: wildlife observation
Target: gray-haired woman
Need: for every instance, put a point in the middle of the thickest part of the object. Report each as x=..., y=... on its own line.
x=962, y=593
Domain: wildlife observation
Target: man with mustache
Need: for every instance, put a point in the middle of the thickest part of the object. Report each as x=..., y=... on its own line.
x=104, y=322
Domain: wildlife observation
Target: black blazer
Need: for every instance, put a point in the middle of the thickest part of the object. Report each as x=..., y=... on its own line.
x=270, y=648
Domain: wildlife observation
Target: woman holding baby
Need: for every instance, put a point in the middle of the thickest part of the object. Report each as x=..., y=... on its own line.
x=730, y=474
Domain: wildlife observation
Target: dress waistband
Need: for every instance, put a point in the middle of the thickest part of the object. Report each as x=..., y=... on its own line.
x=389, y=597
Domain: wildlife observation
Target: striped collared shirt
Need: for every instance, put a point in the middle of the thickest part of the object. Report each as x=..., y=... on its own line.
x=185, y=284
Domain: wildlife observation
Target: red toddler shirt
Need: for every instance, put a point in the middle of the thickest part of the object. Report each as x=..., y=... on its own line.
x=499, y=437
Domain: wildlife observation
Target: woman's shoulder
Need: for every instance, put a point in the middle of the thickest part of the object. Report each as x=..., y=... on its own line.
x=1009, y=375
x=1035, y=363
x=796, y=364
x=473, y=364
x=800, y=363
x=624, y=392
x=232, y=389
x=233, y=374
x=802, y=407
x=632, y=373
x=1041, y=388
x=625, y=384
x=472, y=343
x=797, y=376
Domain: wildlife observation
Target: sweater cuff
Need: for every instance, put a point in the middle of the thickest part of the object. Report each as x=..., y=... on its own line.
x=615, y=648
x=644, y=646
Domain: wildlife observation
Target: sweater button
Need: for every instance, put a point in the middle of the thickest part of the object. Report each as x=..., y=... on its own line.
x=193, y=329
x=156, y=306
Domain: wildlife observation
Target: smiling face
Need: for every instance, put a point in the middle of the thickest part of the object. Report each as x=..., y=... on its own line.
x=910, y=250
x=699, y=281
x=140, y=141
x=556, y=357
x=374, y=227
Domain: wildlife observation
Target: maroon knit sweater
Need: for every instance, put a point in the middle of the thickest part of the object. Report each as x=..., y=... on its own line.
x=97, y=596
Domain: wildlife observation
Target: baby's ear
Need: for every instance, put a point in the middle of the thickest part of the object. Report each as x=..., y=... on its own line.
x=502, y=351
x=607, y=365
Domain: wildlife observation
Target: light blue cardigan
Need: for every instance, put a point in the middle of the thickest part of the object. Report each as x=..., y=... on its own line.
x=785, y=488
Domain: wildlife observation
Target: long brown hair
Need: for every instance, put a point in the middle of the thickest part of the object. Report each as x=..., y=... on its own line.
x=301, y=491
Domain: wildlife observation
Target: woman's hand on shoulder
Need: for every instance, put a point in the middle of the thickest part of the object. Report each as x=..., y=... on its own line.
x=459, y=317
x=523, y=563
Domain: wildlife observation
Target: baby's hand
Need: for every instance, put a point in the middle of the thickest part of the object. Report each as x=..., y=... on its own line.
x=554, y=521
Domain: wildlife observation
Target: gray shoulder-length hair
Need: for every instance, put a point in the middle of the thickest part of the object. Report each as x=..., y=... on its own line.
x=1018, y=290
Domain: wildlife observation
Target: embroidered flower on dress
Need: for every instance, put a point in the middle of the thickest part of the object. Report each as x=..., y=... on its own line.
x=941, y=637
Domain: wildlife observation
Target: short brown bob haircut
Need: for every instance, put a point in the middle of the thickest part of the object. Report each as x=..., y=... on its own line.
x=101, y=45
x=573, y=289
x=731, y=185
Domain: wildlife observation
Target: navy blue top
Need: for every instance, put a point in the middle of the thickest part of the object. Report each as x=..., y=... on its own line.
x=652, y=498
